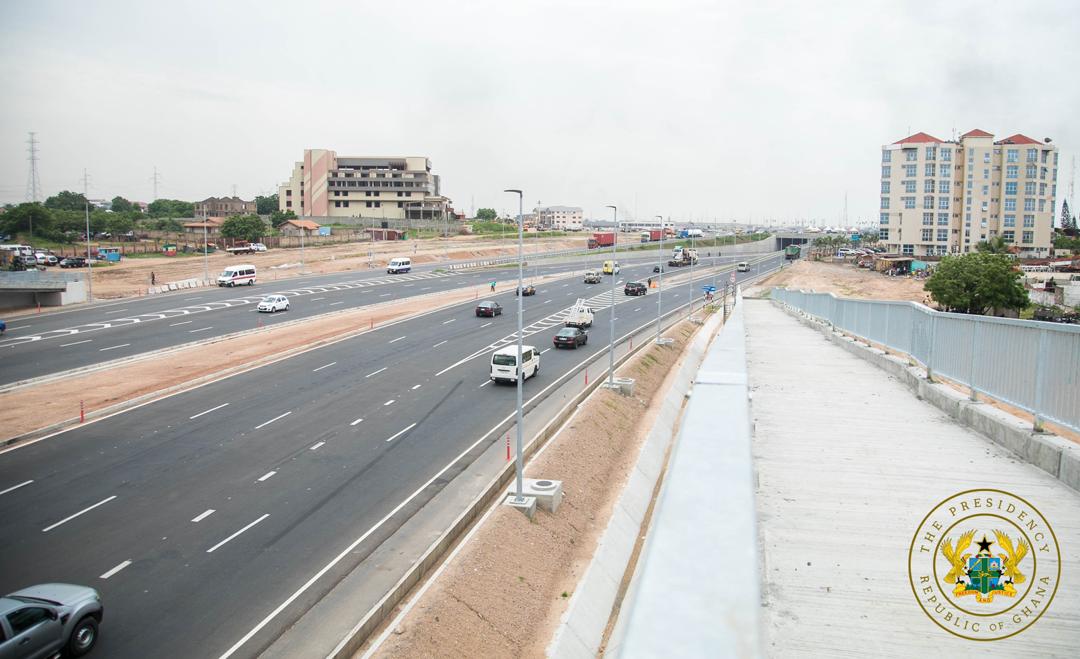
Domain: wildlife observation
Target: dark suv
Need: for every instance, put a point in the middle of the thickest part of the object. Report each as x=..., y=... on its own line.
x=634, y=288
x=73, y=262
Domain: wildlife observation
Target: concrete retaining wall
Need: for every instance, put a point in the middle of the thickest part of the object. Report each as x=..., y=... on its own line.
x=1054, y=455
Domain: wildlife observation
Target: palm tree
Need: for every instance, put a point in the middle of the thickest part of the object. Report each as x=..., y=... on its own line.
x=996, y=245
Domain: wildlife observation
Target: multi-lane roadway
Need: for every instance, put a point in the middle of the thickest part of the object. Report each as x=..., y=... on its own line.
x=212, y=519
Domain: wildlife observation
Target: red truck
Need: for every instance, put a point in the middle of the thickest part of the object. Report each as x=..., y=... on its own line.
x=652, y=235
x=602, y=239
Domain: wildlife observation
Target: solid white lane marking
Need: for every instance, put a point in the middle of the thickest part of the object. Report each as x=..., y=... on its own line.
x=117, y=311
x=317, y=445
x=397, y=339
x=440, y=343
x=323, y=366
x=201, y=329
x=334, y=304
x=84, y=510
x=116, y=569
x=401, y=432
x=198, y=297
x=416, y=386
x=485, y=384
x=64, y=345
x=376, y=372
x=273, y=420
x=203, y=515
x=122, y=345
x=208, y=411
x=182, y=323
x=544, y=350
x=486, y=324
x=316, y=299
x=15, y=487
x=426, y=288
x=389, y=402
x=266, y=475
x=211, y=550
x=447, y=322
x=355, y=422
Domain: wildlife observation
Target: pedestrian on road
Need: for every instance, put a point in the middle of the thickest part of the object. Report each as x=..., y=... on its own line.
x=492, y=287
x=3, y=328
x=153, y=278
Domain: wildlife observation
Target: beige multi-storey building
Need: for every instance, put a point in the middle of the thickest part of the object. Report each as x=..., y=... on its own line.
x=325, y=184
x=223, y=207
x=944, y=197
x=560, y=218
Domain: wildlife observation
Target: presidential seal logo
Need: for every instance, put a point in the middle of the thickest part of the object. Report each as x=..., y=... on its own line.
x=984, y=564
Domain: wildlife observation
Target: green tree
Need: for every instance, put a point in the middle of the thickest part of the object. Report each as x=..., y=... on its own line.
x=486, y=214
x=266, y=205
x=870, y=237
x=66, y=201
x=119, y=223
x=121, y=205
x=244, y=227
x=277, y=218
x=996, y=245
x=1068, y=220
x=976, y=283
x=25, y=217
x=170, y=208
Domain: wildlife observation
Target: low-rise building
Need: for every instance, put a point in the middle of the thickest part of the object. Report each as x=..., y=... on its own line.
x=559, y=218
x=224, y=207
x=299, y=227
x=212, y=226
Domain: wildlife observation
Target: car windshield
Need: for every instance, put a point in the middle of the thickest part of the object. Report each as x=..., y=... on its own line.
x=504, y=360
x=269, y=298
x=487, y=305
x=567, y=331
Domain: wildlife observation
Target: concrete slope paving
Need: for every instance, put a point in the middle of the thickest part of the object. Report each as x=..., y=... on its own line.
x=849, y=462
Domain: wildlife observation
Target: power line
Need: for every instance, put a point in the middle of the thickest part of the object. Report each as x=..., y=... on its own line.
x=156, y=178
x=33, y=183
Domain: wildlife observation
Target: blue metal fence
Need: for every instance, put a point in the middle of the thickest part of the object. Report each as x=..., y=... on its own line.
x=1029, y=364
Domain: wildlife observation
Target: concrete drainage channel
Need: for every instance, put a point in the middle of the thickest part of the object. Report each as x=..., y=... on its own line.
x=493, y=492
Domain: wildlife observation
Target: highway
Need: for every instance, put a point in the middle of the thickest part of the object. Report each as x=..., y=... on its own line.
x=198, y=515
x=51, y=343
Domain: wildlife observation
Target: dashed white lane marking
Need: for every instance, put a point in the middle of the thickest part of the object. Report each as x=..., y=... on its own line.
x=426, y=288
x=15, y=487
x=376, y=372
x=401, y=432
x=569, y=293
x=416, y=386
x=266, y=475
x=201, y=329
x=546, y=301
x=447, y=322
x=565, y=285
x=116, y=569
x=485, y=384
x=122, y=345
x=397, y=339
x=316, y=299
x=544, y=350
x=638, y=309
x=486, y=324
x=316, y=446
x=281, y=416
x=64, y=345
x=323, y=366
x=385, y=295
x=208, y=411
x=334, y=304
x=203, y=515
x=440, y=343
x=198, y=297
x=71, y=517
x=355, y=422
x=389, y=402
x=182, y=323
x=116, y=311
x=211, y=550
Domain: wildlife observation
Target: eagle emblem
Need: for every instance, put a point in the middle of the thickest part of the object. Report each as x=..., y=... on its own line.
x=983, y=574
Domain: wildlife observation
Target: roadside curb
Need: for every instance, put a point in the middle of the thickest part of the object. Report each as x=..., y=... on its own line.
x=1055, y=455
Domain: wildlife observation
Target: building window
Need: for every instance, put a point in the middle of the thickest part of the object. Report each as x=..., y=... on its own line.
x=883, y=234
x=943, y=219
x=1030, y=171
x=288, y=193
x=1042, y=189
x=986, y=174
x=884, y=202
x=986, y=189
x=368, y=203
x=927, y=235
x=1032, y=155
x=911, y=155
x=1010, y=220
x=337, y=204
x=943, y=203
x=1042, y=205
x=1042, y=174
x=1011, y=171
x=1029, y=204
x=378, y=204
x=931, y=153
x=1029, y=188
x=886, y=171
x=884, y=218
x=909, y=186
x=946, y=155
x=945, y=186
x=931, y=169
x=1012, y=155
x=1029, y=221
x=928, y=201
x=288, y=203
x=928, y=185
x=884, y=187
x=909, y=171
x=909, y=202
x=908, y=250
x=1029, y=237
x=928, y=219
x=1010, y=204
x=886, y=156
x=1009, y=236
x=942, y=235
x=401, y=204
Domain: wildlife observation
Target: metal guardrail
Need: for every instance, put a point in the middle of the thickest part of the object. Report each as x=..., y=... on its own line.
x=1029, y=364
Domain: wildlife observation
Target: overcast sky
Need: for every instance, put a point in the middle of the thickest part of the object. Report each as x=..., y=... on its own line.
x=699, y=110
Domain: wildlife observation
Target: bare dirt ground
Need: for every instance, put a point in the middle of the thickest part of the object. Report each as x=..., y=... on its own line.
x=131, y=276
x=845, y=280
x=504, y=594
x=30, y=408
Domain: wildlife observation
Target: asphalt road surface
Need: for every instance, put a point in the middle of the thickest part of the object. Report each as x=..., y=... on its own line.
x=198, y=515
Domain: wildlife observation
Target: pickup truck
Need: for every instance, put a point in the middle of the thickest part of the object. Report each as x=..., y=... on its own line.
x=242, y=248
x=593, y=277
x=580, y=316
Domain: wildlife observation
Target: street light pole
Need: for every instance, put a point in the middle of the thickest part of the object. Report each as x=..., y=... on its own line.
x=205, y=262
x=521, y=368
x=89, y=265
x=690, y=312
x=660, y=290
x=611, y=321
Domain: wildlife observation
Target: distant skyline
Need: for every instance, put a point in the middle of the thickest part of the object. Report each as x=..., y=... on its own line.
x=697, y=110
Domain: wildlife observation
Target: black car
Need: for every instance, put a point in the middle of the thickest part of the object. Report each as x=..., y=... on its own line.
x=570, y=336
x=658, y=268
x=529, y=290
x=73, y=262
x=634, y=288
x=489, y=309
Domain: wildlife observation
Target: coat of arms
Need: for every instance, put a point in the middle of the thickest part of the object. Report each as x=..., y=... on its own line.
x=983, y=573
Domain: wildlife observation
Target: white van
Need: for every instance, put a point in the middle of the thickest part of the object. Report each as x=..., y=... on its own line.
x=399, y=265
x=504, y=360
x=743, y=266
x=236, y=275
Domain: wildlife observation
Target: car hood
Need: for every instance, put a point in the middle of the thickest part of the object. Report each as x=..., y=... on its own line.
x=61, y=593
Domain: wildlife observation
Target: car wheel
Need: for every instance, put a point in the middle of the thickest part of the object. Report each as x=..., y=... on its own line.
x=286, y=307
x=83, y=637
x=231, y=284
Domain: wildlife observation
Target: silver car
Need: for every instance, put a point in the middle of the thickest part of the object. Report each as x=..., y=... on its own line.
x=40, y=621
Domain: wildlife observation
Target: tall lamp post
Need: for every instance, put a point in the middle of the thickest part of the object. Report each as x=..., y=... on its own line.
x=660, y=290
x=521, y=368
x=205, y=262
x=89, y=265
x=611, y=321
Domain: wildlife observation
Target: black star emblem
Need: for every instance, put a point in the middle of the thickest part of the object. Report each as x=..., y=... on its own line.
x=984, y=545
